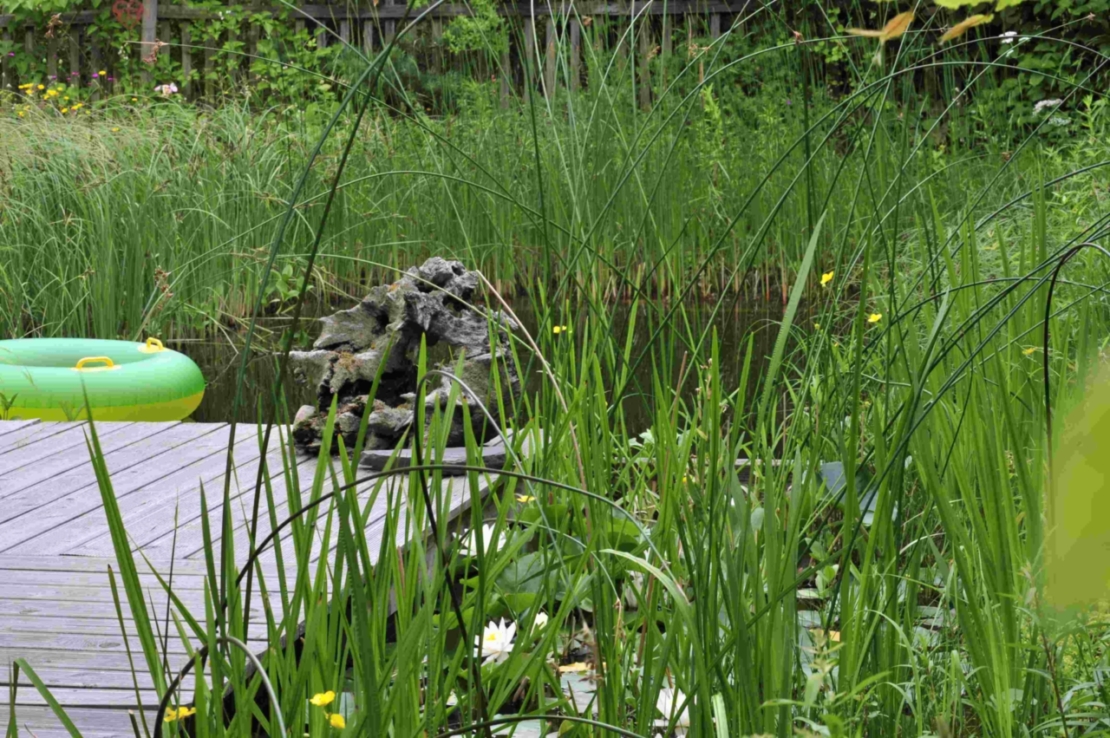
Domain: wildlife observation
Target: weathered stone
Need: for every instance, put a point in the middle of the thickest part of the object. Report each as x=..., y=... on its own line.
x=493, y=457
x=381, y=336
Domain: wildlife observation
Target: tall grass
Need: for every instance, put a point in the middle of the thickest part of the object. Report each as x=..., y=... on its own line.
x=873, y=570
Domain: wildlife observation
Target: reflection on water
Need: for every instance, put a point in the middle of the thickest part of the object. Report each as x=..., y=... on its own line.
x=219, y=360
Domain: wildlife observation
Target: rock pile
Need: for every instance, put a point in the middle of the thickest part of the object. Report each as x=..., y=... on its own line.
x=432, y=302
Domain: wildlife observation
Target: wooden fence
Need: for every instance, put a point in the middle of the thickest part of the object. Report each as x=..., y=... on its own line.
x=74, y=56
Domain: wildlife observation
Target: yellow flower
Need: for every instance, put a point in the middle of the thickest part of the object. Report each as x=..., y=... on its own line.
x=965, y=25
x=337, y=721
x=20, y=113
x=51, y=93
x=78, y=106
x=817, y=326
x=1029, y=350
x=66, y=98
x=323, y=699
x=115, y=129
x=575, y=668
x=42, y=87
x=875, y=317
x=134, y=99
x=65, y=110
x=525, y=498
x=560, y=329
x=826, y=278
x=897, y=26
x=103, y=73
x=179, y=714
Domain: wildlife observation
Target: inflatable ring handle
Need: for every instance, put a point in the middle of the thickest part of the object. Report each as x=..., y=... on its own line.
x=94, y=359
x=153, y=345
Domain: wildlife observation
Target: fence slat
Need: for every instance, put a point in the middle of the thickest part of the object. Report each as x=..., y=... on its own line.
x=150, y=24
x=529, y=55
x=6, y=81
x=187, y=60
x=715, y=26
x=368, y=37
x=575, y=53
x=52, y=58
x=210, y=45
x=74, y=56
x=550, y=60
x=645, y=59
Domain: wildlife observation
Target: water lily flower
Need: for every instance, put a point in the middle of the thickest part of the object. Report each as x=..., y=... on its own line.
x=965, y=25
x=337, y=721
x=180, y=713
x=827, y=277
x=874, y=317
x=469, y=544
x=540, y=620
x=668, y=701
x=496, y=642
x=323, y=699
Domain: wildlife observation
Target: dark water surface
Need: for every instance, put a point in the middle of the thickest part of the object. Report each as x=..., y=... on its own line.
x=219, y=359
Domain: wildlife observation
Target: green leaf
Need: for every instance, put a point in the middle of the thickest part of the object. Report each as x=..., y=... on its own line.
x=46, y=695
x=788, y=319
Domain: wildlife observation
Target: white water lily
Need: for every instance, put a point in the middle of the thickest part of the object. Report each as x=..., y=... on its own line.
x=540, y=620
x=496, y=642
x=667, y=703
x=469, y=544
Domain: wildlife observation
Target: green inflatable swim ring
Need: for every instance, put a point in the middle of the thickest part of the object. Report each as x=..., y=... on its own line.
x=49, y=378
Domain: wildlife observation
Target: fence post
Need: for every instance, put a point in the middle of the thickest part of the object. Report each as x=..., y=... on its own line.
x=715, y=26
x=74, y=56
x=368, y=36
x=529, y=54
x=665, y=50
x=5, y=80
x=645, y=60
x=550, y=60
x=505, y=76
x=575, y=53
x=150, y=24
x=186, y=61
x=52, y=58
x=390, y=25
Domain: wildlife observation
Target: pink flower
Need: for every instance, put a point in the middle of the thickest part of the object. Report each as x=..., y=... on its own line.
x=166, y=90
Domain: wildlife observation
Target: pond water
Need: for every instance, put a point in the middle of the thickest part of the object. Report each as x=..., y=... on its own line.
x=219, y=360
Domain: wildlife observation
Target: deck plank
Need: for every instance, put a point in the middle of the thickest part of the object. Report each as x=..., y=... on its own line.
x=41, y=509
x=75, y=459
x=18, y=434
x=10, y=426
x=56, y=608
x=145, y=516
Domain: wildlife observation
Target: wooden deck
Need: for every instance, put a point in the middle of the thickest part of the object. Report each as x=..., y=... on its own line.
x=56, y=607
